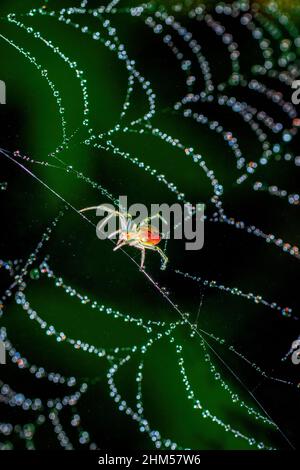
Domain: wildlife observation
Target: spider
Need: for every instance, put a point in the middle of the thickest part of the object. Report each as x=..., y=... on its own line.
x=142, y=236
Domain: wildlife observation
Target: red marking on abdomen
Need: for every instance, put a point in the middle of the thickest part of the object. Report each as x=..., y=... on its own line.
x=150, y=235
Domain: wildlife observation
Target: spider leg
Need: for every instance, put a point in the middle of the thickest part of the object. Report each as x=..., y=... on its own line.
x=155, y=216
x=162, y=254
x=143, y=257
x=88, y=209
x=141, y=247
x=114, y=233
x=123, y=215
x=124, y=221
x=120, y=244
x=105, y=208
x=103, y=222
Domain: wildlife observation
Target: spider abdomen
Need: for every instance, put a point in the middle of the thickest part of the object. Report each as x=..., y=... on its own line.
x=149, y=235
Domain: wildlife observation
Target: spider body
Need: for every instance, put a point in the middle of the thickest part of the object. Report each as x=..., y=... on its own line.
x=142, y=236
x=147, y=235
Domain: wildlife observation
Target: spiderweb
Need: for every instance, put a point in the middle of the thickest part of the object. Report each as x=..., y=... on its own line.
x=198, y=356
